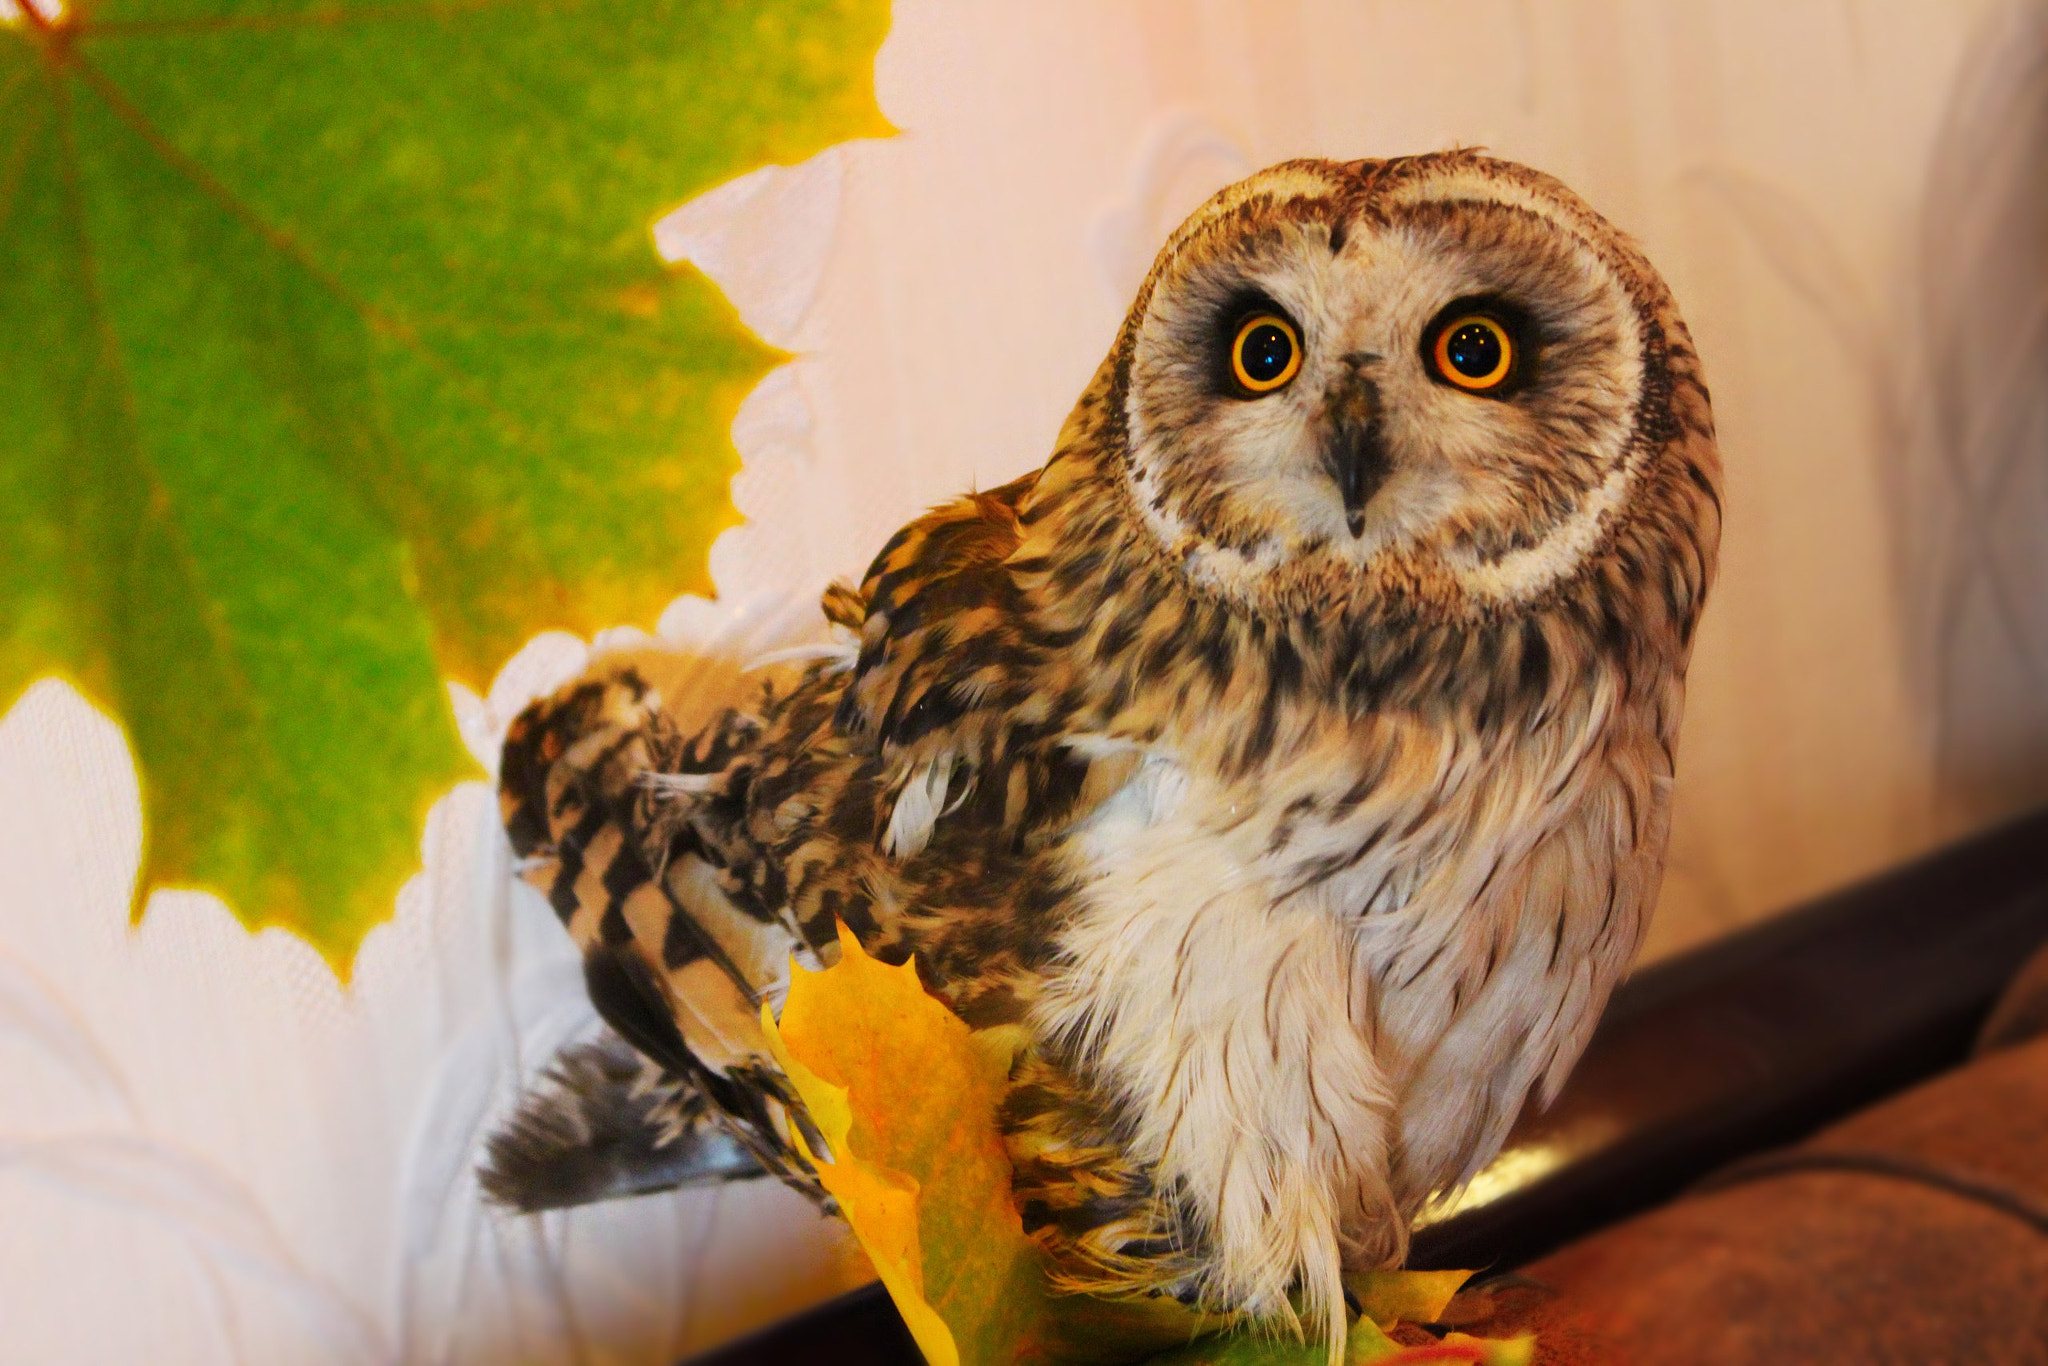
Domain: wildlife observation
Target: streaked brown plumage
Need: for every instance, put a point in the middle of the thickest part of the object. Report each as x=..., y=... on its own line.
x=1294, y=765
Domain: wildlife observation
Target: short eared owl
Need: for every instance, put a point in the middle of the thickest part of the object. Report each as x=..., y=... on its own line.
x=1291, y=755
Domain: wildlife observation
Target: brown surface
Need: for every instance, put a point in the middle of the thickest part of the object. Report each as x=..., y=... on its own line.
x=1916, y=1232
x=2022, y=1014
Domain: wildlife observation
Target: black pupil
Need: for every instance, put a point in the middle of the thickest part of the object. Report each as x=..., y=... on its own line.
x=1474, y=350
x=1266, y=352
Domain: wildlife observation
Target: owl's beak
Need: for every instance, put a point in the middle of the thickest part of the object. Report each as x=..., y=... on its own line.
x=1355, y=450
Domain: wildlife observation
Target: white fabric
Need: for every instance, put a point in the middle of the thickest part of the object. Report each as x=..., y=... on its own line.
x=210, y=1151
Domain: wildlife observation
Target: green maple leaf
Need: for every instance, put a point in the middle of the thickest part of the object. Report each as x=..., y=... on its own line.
x=335, y=360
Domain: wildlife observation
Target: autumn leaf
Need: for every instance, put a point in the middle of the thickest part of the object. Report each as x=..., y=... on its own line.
x=1388, y=1298
x=1368, y=1345
x=1391, y=1297
x=336, y=360
x=905, y=1097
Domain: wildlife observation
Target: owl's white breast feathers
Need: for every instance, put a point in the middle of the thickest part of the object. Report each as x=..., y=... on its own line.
x=1305, y=1055
x=1241, y=1033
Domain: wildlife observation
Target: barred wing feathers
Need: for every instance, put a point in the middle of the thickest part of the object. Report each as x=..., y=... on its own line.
x=696, y=826
x=672, y=963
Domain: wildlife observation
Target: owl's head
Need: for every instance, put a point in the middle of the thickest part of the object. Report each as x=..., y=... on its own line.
x=1437, y=379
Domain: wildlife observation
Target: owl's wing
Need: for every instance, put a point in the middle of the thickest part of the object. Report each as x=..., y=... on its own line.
x=666, y=816
x=941, y=690
x=674, y=965
x=938, y=618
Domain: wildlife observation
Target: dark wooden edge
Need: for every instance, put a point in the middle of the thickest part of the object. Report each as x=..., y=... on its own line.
x=859, y=1328
x=1738, y=1047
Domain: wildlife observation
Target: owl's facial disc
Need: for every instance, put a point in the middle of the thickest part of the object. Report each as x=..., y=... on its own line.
x=1428, y=386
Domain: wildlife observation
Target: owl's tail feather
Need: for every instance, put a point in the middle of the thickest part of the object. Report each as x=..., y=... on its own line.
x=606, y=1121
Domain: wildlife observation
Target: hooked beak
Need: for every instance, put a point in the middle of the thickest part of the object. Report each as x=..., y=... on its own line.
x=1355, y=451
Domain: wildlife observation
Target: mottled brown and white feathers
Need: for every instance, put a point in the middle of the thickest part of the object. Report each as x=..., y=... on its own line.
x=1293, y=761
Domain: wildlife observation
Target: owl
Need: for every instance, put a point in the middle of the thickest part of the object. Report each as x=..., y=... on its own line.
x=1290, y=757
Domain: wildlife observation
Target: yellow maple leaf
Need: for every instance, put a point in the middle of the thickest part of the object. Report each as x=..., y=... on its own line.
x=905, y=1095
x=1391, y=1297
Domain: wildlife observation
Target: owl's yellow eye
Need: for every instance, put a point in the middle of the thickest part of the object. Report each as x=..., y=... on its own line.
x=1474, y=352
x=1265, y=354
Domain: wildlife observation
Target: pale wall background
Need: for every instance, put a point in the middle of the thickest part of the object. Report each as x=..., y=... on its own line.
x=211, y=1151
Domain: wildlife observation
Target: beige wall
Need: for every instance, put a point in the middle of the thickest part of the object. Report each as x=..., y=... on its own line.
x=1853, y=701
x=211, y=1151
